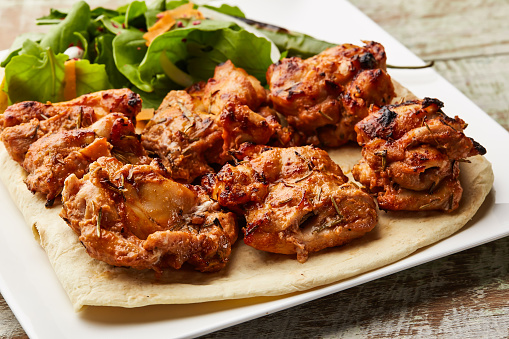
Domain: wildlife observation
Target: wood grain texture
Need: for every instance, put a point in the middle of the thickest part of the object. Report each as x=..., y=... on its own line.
x=463, y=295
x=444, y=29
x=485, y=80
x=9, y=325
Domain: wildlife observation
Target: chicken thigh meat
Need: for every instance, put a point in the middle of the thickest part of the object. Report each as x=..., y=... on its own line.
x=135, y=216
x=411, y=153
x=295, y=200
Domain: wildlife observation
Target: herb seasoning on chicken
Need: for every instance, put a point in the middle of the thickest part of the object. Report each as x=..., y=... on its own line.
x=411, y=153
x=295, y=200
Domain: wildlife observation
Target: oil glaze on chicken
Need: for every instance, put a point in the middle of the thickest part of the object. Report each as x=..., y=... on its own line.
x=53, y=157
x=295, y=200
x=323, y=97
x=411, y=153
x=196, y=128
x=24, y=123
x=135, y=216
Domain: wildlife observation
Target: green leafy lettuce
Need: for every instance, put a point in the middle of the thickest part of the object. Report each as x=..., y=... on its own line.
x=196, y=49
x=36, y=74
x=62, y=36
x=39, y=74
x=116, y=55
x=90, y=77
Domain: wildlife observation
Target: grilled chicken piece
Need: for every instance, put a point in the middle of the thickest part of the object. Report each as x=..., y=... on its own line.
x=26, y=122
x=283, y=135
x=295, y=200
x=17, y=139
x=229, y=84
x=121, y=134
x=240, y=124
x=104, y=102
x=185, y=139
x=324, y=96
x=133, y=215
x=411, y=153
x=53, y=157
x=194, y=129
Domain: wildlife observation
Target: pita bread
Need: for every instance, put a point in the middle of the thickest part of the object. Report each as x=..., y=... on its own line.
x=250, y=272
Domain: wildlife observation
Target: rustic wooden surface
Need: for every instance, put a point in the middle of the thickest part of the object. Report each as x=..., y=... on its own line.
x=463, y=295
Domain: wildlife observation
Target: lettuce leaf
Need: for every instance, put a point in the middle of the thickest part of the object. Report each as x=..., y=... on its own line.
x=205, y=51
x=175, y=3
x=116, y=54
x=90, y=77
x=228, y=10
x=61, y=36
x=54, y=17
x=129, y=49
x=98, y=11
x=198, y=50
x=195, y=49
x=109, y=25
x=296, y=44
x=36, y=74
x=175, y=43
x=135, y=10
x=18, y=43
x=104, y=55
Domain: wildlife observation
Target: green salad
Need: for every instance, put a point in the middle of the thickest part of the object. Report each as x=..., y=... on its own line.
x=109, y=49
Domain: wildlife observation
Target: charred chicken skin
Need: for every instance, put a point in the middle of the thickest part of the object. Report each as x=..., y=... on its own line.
x=229, y=84
x=198, y=127
x=184, y=138
x=104, y=102
x=26, y=122
x=53, y=157
x=411, y=153
x=323, y=97
x=135, y=216
x=295, y=200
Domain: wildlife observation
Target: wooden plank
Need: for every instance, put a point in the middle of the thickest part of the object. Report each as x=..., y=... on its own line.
x=444, y=29
x=484, y=80
x=9, y=325
x=462, y=295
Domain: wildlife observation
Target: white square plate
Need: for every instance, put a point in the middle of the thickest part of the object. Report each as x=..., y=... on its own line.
x=31, y=289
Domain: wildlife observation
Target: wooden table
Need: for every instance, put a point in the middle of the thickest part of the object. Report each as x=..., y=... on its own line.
x=462, y=295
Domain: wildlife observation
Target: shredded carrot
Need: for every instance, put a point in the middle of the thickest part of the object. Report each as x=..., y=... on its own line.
x=145, y=114
x=70, y=79
x=140, y=126
x=163, y=25
x=169, y=18
x=142, y=118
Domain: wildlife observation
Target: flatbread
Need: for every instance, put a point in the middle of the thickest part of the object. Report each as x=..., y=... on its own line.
x=250, y=272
